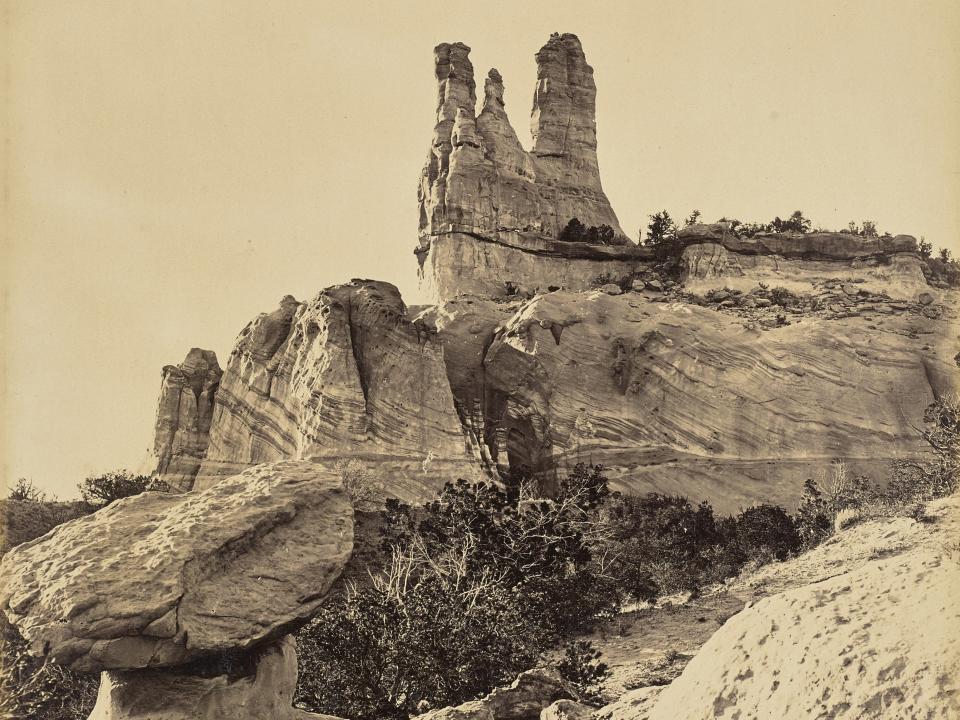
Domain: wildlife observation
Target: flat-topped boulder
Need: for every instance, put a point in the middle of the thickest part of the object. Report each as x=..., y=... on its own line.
x=163, y=579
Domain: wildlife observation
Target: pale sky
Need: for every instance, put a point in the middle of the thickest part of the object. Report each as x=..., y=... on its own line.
x=174, y=168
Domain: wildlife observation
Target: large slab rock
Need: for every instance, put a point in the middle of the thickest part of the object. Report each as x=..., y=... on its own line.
x=344, y=375
x=682, y=399
x=260, y=687
x=480, y=182
x=184, y=412
x=161, y=579
x=879, y=641
x=810, y=246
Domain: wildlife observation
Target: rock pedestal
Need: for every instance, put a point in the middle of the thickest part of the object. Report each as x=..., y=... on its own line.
x=260, y=688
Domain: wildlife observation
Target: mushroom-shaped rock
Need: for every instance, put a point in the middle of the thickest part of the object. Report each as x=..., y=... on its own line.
x=160, y=579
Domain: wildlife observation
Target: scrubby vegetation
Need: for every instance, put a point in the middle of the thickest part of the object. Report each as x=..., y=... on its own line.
x=489, y=580
x=100, y=490
x=576, y=231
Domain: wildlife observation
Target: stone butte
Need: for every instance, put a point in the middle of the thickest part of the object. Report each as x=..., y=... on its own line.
x=521, y=361
x=488, y=204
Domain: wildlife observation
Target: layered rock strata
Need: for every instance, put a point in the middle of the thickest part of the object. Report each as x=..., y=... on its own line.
x=345, y=375
x=160, y=579
x=682, y=399
x=713, y=256
x=184, y=412
x=481, y=193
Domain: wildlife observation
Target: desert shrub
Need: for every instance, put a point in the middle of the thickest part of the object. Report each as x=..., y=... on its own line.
x=101, y=490
x=661, y=229
x=795, y=223
x=765, y=531
x=661, y=543
x=943, y=268
x=391, y=651
x=32, y=690
x=479, y=583
x=937, y=475
x=826, y=496
x=782, y=296
x=25, y=491
x=581, y=666
x=576, y=231
x=364, y=490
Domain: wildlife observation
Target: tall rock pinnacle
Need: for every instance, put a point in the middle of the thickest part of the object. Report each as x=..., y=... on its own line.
x=479, y=180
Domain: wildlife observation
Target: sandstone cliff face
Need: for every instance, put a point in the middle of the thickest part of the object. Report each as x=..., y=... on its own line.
x=873, y=638
x=480, y=185
x=677, y=398
x=714, y=257
x=345, y=375
x=184, y=412
x=162, y=579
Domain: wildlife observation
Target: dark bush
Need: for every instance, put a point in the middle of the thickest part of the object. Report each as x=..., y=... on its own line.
x=576, y=231
x=765, y=531
x=581, y=667
x=478, y=584
x=101, y=490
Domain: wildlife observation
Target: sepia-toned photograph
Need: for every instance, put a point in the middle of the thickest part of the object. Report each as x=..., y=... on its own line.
x=480, y=361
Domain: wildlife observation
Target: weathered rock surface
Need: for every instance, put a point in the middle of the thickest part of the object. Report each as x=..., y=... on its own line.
x=479, y=186
x=877, y=640
x=184, y=412
x=161, y=579
x=262, y=690
x=345, y=375
x=469, y=264
x=567, y=710
x=809, y=246
x=529, y=695
x=713, y=256
x=677, y=398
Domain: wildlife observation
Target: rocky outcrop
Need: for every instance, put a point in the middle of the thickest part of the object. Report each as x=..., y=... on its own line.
x=809, y=246
x=161, y=579
x=479, y=186
x=184, y=412
x=529, y=695
x=677, y=398
x=877, y=639
x=345, y=375
x=713, y=256
x=259, y=687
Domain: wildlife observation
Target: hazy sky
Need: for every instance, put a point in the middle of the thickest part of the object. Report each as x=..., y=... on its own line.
x=174, y=168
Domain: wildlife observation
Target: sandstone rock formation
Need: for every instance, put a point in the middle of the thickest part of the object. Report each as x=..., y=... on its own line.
x=345, y=375
x=184, y=412
x=262, y=688
x=529, y=695
x=877, y=640
x=677, y=398
x=160, y=579
x=713, y=256
x=482, y=195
